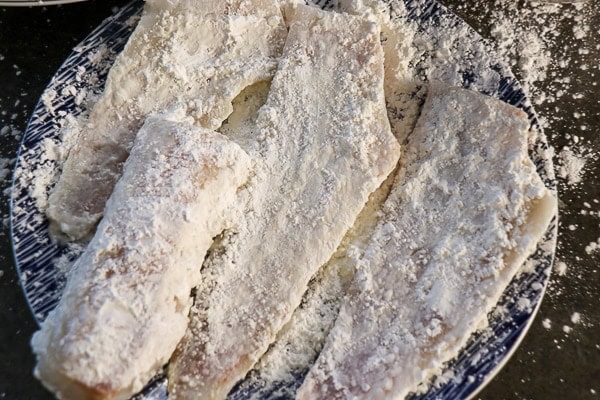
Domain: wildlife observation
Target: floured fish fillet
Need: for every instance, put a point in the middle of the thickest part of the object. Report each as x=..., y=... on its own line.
x=324, y=144
x=279, y=372
x=126, y=304
x=464, y=215
x=192, y=55
x=404, y=93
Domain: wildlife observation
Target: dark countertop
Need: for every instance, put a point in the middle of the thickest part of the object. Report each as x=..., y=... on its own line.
x=550, y=364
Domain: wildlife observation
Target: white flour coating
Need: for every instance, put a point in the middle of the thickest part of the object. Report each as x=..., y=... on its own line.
x=126, y=303
x=51, y=153
x=403, y=91
x=323, y=144
x=455, y=232
x=190, y=55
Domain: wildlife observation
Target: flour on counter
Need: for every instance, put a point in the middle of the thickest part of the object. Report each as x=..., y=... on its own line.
x=560, y=267
x=5, y=164
x=546, y=323
x=593, y=247
x=570, y=166
x=527, y=35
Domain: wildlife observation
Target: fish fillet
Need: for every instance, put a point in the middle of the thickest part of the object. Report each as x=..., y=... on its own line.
x=403, y=93
x=279, y=372
x=464, y=215
x=323, y=145
x=126, y=304
x=191, y=55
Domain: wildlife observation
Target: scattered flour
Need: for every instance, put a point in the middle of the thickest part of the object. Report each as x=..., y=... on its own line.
x=593, y=247
x=570, y=166
x=527, y=34
x=561, y=268
x=546, y=323
x=11, y=129
x=5, y=168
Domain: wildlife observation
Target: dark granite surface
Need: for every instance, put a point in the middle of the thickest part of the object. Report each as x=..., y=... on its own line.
x=550, y=364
